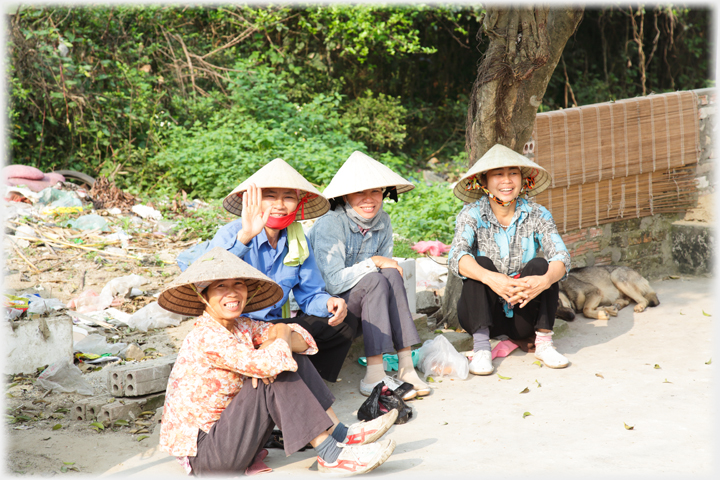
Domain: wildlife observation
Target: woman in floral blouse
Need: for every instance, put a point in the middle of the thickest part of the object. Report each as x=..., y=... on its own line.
x=506, y=288
x=214, y=422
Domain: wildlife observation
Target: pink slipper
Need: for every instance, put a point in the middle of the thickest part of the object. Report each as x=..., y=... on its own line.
x=503, y=349
x=257, y=465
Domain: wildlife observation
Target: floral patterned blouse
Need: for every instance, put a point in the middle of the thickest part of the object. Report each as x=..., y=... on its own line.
x=209, y=371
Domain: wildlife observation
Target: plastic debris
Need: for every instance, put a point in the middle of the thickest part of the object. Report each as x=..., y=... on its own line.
x=98, y=345
x=146, y=212
x=89, y=301
x=434, y=247
x=153, y=315
x=64, y=376
x=43, y=306
x=439, y=358
x=122, y=286
x=88, y=222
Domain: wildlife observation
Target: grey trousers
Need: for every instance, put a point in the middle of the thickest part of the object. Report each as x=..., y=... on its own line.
x=296, y=402
x=380, y=301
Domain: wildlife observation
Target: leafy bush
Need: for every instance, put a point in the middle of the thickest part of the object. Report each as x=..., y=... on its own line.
x=377, y=122
x=425, y=213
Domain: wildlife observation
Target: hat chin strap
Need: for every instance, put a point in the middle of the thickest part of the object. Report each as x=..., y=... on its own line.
x=497, y=200
x=202, y=299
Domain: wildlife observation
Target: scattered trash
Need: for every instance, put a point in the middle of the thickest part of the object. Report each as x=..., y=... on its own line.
x=146, y=212
x=122, y=286
x=43, y=306
x=31, y=177
x=53, y=198
x=434, y=247
x=437, y=357
x=382, y=399
x=88, y=222
x=64, y=376
x=89, y=301
x=153, y=315
x=97, y=344
x=503, y=349
x=429, y=274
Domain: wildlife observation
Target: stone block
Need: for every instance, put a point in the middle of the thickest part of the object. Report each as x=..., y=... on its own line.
x=140, y=378
x=129, y=411
x=89, y=408
x=36, y=342
x=428, y=301
x=692, y=247
x=409, y=279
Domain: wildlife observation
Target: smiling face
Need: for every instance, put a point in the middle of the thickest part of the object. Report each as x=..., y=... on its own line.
x=280, y=201
x=366, y=203
x=504, y=182
x=227, y=299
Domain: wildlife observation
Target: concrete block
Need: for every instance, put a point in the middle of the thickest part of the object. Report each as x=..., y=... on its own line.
x=409, y=280
x=427, y=301
x=140, y=378
x=89, y=408
x=129, y=410
x=27, y=348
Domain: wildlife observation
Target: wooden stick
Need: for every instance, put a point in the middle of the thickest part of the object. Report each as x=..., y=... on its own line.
x=71, y=245
x=17, y=250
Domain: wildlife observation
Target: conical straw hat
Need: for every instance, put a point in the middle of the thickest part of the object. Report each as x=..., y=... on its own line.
x=279, y=174
x=500, y=156
x=361, y=172
x=218, y=264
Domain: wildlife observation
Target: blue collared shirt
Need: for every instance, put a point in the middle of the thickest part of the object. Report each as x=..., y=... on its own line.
x=305, y=280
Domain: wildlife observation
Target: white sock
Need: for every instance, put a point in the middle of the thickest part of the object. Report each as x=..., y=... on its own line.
x=374, y=373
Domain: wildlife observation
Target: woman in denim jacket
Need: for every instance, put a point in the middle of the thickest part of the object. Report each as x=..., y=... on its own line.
x=353, y=247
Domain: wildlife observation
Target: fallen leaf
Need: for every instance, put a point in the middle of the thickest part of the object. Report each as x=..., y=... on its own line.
x=708, y=362
x=599, y=375
x=666, y=381
x=681, y=313
x=673, y=277
x=142, y=437
x=431, y=379
x=656, y=367
x=503, y=378
x=57, y=426
x=69, y=463
x=61, y=410
x=628, y=427
x=207, y=259
x=97, y=426
x=121, y=422
x=538, y=384
x=444, y=423
x=63, y=469
x=526, y=414
x=438, y=331
x=538, y=363
x=527, y=390
x=147, y=412
x=706, y=314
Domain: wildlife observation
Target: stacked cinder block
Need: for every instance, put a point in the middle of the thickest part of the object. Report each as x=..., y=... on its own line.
x=142, y=378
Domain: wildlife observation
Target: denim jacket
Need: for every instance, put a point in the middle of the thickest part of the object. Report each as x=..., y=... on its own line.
x=343, y=253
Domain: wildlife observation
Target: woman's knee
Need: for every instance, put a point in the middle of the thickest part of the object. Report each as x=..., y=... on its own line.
x=375, y=282
x=486, y=263
x=536, y=266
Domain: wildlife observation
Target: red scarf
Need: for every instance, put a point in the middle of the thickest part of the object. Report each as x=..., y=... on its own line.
x=278, y=223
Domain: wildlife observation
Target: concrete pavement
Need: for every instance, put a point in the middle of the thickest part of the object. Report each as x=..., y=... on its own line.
x=652, y=371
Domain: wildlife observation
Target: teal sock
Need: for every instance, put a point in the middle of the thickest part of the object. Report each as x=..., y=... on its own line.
x=328, y=450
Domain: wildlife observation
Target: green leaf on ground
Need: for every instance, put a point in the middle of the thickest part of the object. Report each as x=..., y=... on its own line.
x=526, y=414
x=57, y=426
x=706, y=314
x=681, y=313
x=656, y=367
x=503, y=378
x=97, y=426
x=526, y=390
x=69, y=463
x=121, y=422
x=538, y=384
x=628, y=427
x=666, y=381
x=538, y=363
x=708, y=362
x=207, y=259
x=142, y=437
x=431, y=379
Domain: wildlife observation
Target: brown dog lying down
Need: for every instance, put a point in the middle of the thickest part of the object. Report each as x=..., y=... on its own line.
x=600, y=292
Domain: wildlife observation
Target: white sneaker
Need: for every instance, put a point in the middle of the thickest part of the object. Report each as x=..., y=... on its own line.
x=357, y=459
x=546, y=353
x=361, y=433
x=392, y=383
x=481, y=363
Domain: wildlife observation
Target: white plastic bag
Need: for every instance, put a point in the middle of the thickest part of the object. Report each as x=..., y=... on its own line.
x=122, y=286
x=42, y=306
x=437, y=357
x=98, y=345
x=153, y=315
x=64, y=376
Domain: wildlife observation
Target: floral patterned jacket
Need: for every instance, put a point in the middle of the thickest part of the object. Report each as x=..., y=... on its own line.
x=210, y=369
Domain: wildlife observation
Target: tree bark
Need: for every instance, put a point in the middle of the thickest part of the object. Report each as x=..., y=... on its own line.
x=526, y=43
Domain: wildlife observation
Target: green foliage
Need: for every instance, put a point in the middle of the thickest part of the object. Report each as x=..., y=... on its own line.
x=377, y=122
x=427, y=212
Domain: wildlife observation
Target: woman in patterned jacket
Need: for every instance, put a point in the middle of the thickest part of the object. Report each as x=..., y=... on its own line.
x=215, y=423
x=506, y=288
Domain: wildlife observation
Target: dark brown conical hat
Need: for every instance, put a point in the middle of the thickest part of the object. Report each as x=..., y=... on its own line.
x=280, y=174
x=217, y=264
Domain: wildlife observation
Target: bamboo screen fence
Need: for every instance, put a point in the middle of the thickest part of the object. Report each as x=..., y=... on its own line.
x=619, y=160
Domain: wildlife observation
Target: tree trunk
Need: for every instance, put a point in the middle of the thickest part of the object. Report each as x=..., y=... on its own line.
x=526, y=44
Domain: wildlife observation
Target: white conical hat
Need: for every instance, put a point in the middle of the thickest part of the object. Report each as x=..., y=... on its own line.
x=360, y=172
x=500, y=156
x=279, y=174
x=218, y=264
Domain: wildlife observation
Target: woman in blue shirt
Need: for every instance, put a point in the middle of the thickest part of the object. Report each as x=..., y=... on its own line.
x=353, y=243
x=506, y=289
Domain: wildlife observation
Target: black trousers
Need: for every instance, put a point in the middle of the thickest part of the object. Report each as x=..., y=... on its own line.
x=479, y=306
x=333, y=342
x=296, y=402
